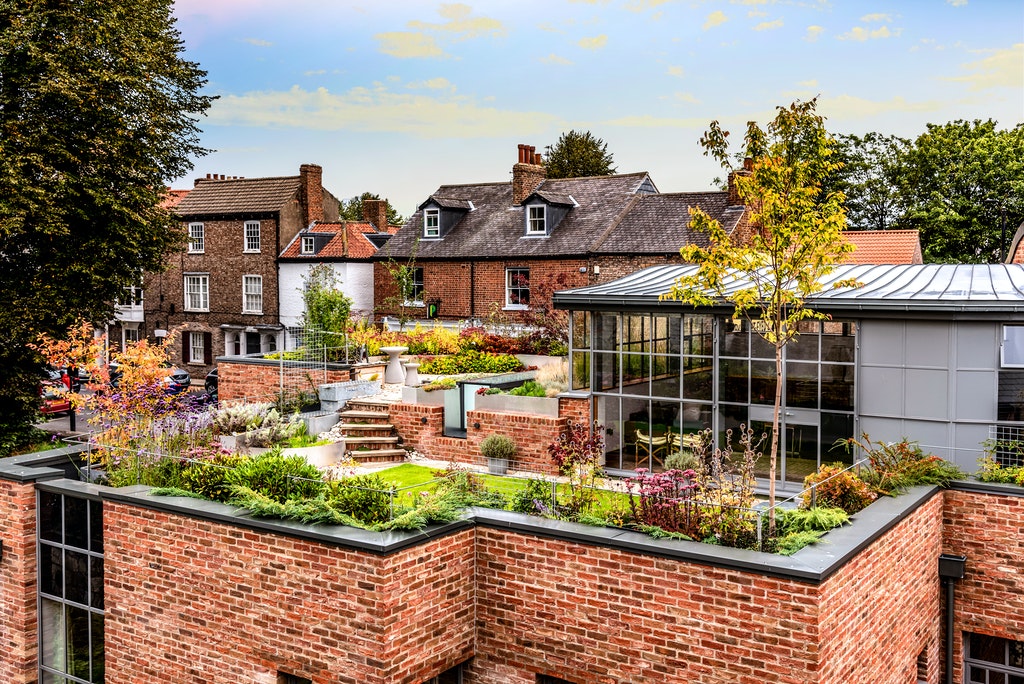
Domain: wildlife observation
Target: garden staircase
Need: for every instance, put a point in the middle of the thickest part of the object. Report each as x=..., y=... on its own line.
x=369, y=435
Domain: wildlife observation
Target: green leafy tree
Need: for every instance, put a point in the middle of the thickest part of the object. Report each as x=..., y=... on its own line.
x=578, y=154
x=871, y=175
x=352, y=209
x=963, y=182
x=98, y=110
x=796, y=239
x=327, y=308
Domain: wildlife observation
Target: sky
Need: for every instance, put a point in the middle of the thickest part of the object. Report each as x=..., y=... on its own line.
x=398, y=97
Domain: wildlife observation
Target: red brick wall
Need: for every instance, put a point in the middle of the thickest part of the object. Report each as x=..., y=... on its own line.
x=262, y=381
x=990, y=598
x=591, y=614
x=18, y=625
x=887, y=597
x=189, y=601
x=576, y=409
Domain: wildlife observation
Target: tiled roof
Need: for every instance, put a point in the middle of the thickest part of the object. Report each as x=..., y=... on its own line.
x=359, y=247
x=884, y=247
x=610, y=216
x=659, y=224
x=239, y=195
x=173, y=198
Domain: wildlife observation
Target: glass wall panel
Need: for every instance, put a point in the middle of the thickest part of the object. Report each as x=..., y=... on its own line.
x=580, y=370
x=733, y=380
x=79, y=649
x=838, y=341
x=836, y=426
x=837, y=386
x=762, y=382
x=675, y=332
x=697, y=377
x=636, y=374
x=802, y=385
x=698, y=334
x=96, y=526
x=805, y=345
x=636, y=333
x=76, y=522
x=636, y=427
x=76, y=576
x=694, y=418
x=606, y=332
x=98, y=668
x=665, y=335
x=760, y=348
x=665, y=379
x=730, y=418
x=51, y=517
x=581, y=330
x=52, y=647
x=606, y=371
x=734, y=337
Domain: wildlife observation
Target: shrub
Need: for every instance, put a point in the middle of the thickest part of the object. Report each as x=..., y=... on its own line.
x=364, y=497
x=837, y=488
x=554, y=377
x=532, y=497
x=990, y=470
x=817, y=519
x=239, y=418
x=280, y=478
x=530, y=388
x=898, y=465
x=471, y=361
x=206, y=474
x=577, y=455
x=499, y=447
x=664, y=501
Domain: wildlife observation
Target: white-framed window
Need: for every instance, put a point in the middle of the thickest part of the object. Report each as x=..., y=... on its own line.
x=308, y=245
x=517, y=288
x=431, y=223
x=196, y=238
x=131, y=335
x=414, y=295
x=252, y=294
x=1012, y=348
x=536, y=220
x=252, y=236
x=197, y=292
x=196, y=348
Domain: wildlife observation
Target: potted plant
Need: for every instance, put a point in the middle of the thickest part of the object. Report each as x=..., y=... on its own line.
x=498, y=450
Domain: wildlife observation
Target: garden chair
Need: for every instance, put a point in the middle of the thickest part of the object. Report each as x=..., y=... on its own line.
x=651, y=447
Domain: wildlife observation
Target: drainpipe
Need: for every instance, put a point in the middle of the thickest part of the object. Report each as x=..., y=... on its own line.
x=472, y=290
x=951, y=569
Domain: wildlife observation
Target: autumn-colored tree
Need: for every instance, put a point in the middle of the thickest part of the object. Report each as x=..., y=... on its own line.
x=796, y=239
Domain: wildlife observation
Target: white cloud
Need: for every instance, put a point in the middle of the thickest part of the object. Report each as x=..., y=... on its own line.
x=556, y=59
x=257, y=42
x=676, y=71
x=851, y=107
x=769, y=25
x=813, y=83
x=1002, y=68
x=716, y=18
x=957, y=3
x=375, y=109
x=439, y=83
x=861, y=34
x=813, y=32
x=869, y=18
x=595, y=43
x=406, y=45
x=421, y=41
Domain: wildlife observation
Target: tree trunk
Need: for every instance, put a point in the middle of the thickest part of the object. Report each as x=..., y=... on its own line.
x=775, y=439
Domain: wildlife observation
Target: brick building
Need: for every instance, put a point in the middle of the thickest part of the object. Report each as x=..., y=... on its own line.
x=221, y=290
x=118, y=585
x=491, y=247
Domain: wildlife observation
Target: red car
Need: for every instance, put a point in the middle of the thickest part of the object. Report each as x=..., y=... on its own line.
x=54, y=399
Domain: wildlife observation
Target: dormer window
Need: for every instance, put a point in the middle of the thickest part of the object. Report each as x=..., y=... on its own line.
x=536, y=220
x=431, y=223
x=308, y=245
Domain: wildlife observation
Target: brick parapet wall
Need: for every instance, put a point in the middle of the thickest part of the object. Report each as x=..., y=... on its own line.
x=887, y=595
x=255, y=381
x=987, y=529
x=195, y=601
x=18, y=623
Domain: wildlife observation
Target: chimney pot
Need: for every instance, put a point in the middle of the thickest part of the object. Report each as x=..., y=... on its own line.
x=527, y=174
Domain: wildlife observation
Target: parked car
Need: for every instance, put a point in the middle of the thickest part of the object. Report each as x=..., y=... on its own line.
x=176, y=380
x=54, y=399
x=211, y=384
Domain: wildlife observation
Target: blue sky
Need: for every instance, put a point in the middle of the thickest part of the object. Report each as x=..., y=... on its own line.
x=398, y=97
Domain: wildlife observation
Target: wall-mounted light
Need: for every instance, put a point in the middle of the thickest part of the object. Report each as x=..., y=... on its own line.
x=476, y=426
x=423, y=420
x=583, y=269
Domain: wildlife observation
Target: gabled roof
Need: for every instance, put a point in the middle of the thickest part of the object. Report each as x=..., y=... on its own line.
x=992, y=291
x=606, y=215
x=173, y=198
x=447, y=202
x=350, y=234
x=884, y=247
x=239, y=196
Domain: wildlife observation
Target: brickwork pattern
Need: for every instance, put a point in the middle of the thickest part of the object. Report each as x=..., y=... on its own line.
x=262, y=382
x=889, y=594
x=989, y=600
x=189, y=601
x=18, y=624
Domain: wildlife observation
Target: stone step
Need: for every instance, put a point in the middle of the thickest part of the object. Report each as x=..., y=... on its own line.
x=371, y=442
x=365, y=417
x=368, y=404
x=357, y=430
x=378, y=456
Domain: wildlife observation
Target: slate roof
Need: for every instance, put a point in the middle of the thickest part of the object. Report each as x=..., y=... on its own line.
x=239, y=196
x=359, y=246
x=610, y=216
x=983, y=291
x=884, y=247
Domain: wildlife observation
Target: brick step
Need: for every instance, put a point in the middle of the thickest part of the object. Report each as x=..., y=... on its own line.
x=365, y=417
x=378, y=456
x=364, y=404
x=371, y=442
x=357, y=430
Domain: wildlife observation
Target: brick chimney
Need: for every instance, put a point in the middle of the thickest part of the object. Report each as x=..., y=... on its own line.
x=375, y=211
x=734, y=193
x=311, y=193
x=527, y=174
